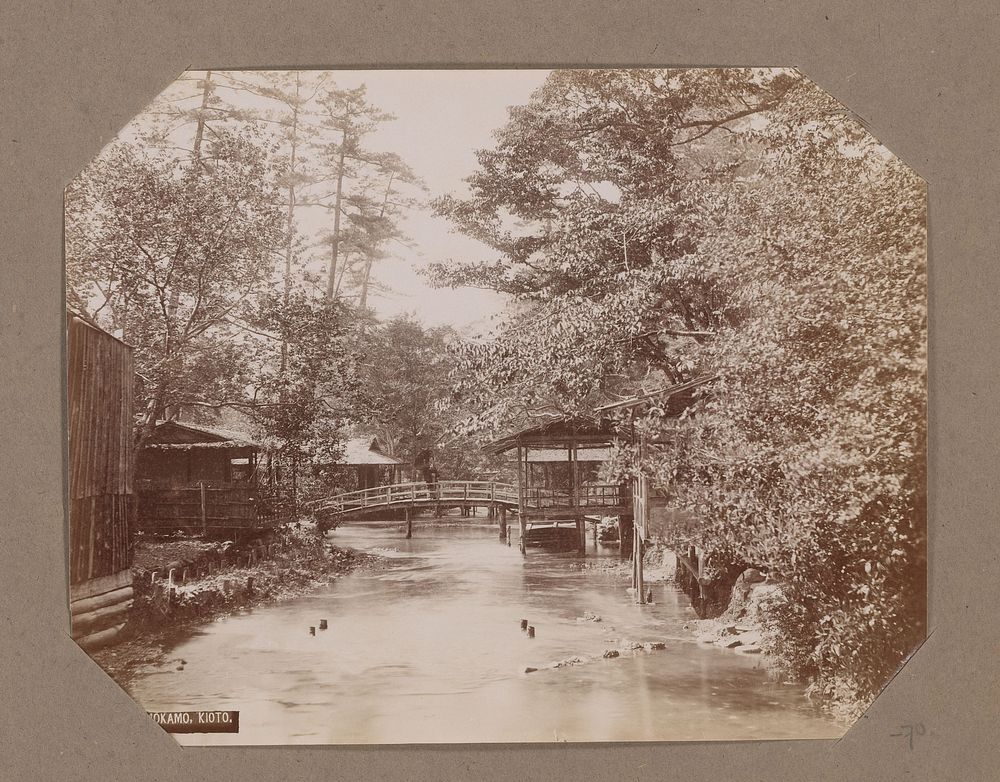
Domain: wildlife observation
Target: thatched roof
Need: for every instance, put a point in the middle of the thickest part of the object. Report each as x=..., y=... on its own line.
x=177, y=435
x=558, y=433
x=591, y=432
x=365, y=450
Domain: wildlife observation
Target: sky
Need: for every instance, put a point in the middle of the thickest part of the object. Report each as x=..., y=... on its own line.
x=443, y=117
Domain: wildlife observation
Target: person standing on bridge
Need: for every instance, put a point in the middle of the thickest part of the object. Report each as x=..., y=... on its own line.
x=432, y=480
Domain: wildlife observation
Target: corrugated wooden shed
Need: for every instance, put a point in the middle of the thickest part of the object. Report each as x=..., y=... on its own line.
x=100, y=376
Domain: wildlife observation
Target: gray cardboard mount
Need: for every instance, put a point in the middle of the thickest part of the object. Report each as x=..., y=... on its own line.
x=922, y=74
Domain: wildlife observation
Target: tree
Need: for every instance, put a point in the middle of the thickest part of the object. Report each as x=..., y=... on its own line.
x=404, y=396
x=659, y=225
x=349, y=118
x=592, y=200
x=302, y=402
x=167, y=256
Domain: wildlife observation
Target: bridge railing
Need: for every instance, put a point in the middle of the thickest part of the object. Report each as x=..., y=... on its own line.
x=602, y=495
x=405, y=493
x=590, y=496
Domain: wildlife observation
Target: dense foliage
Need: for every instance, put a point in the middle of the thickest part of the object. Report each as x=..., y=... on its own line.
x=186, y=238
x=302, y=400
x=405, y=397
x=656, y=226
x=168, y=256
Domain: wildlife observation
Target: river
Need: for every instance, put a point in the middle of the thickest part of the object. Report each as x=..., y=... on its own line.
x=429, y=649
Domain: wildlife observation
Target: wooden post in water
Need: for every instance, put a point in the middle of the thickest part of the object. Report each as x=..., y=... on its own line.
x=625, y=531
x=409, y=523
x=576, y=499
x=521, y=505
x=640, y=595
x=502, y=512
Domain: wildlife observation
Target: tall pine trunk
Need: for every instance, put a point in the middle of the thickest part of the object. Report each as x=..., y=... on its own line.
x=338, y=201
x=370, y=260
x=290, y=219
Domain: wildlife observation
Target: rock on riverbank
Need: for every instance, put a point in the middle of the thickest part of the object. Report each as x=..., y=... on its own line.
x=739, y=627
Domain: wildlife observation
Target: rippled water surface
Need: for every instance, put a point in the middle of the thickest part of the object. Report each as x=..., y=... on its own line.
x=430, y=649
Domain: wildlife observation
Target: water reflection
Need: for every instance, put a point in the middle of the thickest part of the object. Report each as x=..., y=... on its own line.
x=430, y=650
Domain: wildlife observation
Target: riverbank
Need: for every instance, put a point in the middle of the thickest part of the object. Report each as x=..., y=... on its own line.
x=743, y=628
x=738, y=628
x=212, y=581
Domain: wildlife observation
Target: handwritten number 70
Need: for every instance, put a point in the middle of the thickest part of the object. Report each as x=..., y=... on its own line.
x=911, y=732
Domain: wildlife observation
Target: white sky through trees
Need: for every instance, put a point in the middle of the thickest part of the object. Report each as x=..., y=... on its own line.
x=442, y=118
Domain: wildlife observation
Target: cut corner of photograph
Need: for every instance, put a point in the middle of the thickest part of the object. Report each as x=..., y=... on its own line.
x=479, y=406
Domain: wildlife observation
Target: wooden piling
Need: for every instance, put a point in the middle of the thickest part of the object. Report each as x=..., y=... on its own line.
x=640, y=595
x=522, y=480
x=322, y=624
x=531, y=631
x=626, y=529
x=504, y=532
x=409, y=524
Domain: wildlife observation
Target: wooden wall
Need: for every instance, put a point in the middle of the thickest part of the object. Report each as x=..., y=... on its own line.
x=186, y=467
x=100, y=389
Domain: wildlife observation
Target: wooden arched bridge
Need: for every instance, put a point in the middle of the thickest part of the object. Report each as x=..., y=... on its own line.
x=541, y=502
x=439, y=496
x=533, y=505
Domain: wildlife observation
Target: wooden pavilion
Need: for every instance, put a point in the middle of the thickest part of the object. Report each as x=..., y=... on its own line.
x=557, y=478
x=371, y=465
x=203, y=479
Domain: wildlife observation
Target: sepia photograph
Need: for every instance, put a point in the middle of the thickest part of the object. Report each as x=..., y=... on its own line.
x=466, y=406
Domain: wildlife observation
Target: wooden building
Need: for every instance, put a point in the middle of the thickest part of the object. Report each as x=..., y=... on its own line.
x=206, y=480
x=557, y=479
x=371, y=465
x=100, y=377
